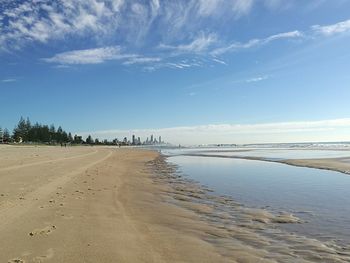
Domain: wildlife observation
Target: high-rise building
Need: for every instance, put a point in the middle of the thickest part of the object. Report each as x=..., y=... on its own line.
x=133, y=139
x=152, y=138
x=160, y=139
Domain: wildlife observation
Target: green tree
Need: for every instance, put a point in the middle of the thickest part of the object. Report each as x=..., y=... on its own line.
x=89, y=140
x=52, y=131
x=70, y=138
x=27, y=129
x=19, y=131
x=6, y=135
x=59, y=134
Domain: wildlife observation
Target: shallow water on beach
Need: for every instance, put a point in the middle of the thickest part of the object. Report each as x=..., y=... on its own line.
x=320, y=198
x=268, y=153
x=282, y=154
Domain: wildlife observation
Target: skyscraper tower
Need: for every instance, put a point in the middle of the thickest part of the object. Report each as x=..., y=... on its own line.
x=152, y=138
x=160, y=139
x=133, y=139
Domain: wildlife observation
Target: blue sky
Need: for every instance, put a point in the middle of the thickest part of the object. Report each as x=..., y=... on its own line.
x=194, y=71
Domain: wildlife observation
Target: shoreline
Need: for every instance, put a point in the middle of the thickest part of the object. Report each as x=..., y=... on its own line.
x=103, y=204
x=255, y=228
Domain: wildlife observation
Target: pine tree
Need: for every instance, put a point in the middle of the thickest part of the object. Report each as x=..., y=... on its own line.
x=19, y=131
x=27, y=129
x=52, y=131
x=6, y=135
x=89, y=140
x=70, y=137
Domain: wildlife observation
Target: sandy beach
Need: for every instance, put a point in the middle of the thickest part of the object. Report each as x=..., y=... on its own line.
x=96, y=204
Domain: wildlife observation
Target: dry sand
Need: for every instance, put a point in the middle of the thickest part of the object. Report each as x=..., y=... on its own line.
x=94, y=204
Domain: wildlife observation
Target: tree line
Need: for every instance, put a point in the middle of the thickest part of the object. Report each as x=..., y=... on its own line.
x=27, y=132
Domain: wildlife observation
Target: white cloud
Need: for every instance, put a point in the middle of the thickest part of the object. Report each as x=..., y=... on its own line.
x=24, y=22
x=219, y=61
x=324, y=130
x=291, y=34
x=256, y=42
x=159, y=31
x=87, y=56
x=8, y=80
x=141, y=60
x=328, y=30
x=242, y=7
x=43, y=21
x=97, y=56
x=198, y=45
x=207, y=8
x=257, y=79
x=237, y=8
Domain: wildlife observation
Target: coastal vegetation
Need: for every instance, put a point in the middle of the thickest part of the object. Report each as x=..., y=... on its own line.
x=26, y=132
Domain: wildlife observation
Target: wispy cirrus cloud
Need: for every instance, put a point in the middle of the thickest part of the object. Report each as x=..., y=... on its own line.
x=336, y=28
x=236, y=7
x=142, y=60
x=242, y=7
x=153, y=33
x=256, y=42
x=25, y=22
x=257, y=79
x=205, y=45
x=200, y=44
x=8, y=80
x=99, y=55
x=87, y=56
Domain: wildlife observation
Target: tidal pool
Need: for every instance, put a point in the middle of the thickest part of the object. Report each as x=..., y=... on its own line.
x=320, y=198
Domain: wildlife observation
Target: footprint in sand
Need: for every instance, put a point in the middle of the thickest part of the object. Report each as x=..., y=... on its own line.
x=16, y=260
x=44, y=231
x=42, y=258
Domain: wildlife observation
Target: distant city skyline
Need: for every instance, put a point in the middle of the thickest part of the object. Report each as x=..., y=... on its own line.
x=284, y=132
x=194, y=72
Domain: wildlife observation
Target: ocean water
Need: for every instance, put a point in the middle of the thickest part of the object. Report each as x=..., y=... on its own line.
x=320, y=198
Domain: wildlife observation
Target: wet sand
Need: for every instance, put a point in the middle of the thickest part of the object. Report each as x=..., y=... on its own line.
x=334, y=164
x=95, y=204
